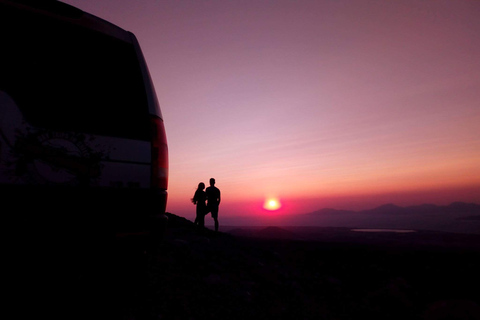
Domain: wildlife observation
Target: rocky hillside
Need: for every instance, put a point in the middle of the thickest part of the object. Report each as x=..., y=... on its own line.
x=206, y=275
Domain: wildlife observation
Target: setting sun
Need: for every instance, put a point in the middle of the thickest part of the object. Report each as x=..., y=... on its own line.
x=272, y=204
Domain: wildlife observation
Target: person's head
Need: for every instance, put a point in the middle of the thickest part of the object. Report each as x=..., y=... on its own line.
x=212, y=181
x=201, y=186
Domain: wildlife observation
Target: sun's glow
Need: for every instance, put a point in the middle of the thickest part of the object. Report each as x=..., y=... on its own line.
x=272, y=204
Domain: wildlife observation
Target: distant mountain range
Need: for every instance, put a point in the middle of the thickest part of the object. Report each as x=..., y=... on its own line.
x=456, y=217
x=456, y=208
x=335, y=225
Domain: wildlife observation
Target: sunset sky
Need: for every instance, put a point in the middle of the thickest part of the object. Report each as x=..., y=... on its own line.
x=341, y=104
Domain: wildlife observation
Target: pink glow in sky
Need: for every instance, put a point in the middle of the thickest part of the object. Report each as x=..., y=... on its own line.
x=344, y=104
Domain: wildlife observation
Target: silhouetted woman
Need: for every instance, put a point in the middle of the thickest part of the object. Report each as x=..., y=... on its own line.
x=199, y=199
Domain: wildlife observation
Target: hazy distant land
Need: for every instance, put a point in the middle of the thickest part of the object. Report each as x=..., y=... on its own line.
x=457, y=217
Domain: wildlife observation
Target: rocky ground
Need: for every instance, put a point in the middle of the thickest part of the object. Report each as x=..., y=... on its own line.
x=192, y=275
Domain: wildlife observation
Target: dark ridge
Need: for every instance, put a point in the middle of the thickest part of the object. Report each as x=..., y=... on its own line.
x=464, y=207
x=275, y=233
x=387, y=209
x=390, y=208
x=176, y=221
x=332, y=211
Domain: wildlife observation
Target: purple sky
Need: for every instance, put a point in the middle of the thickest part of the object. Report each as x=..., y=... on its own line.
x=344, y=104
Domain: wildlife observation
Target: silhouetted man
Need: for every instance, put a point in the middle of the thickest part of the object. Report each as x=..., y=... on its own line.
x=213, y=201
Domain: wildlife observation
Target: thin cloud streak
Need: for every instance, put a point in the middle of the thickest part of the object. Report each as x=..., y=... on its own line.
x=313, y=99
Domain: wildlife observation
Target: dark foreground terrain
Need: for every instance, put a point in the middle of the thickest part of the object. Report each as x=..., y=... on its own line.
x=269, y=274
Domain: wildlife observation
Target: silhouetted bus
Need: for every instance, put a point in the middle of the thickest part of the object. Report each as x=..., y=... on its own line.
x=82, y=139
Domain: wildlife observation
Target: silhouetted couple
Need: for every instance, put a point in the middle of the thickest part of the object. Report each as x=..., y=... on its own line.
x=207, y=202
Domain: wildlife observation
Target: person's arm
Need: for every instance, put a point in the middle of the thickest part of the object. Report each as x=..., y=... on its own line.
x=194, y=199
